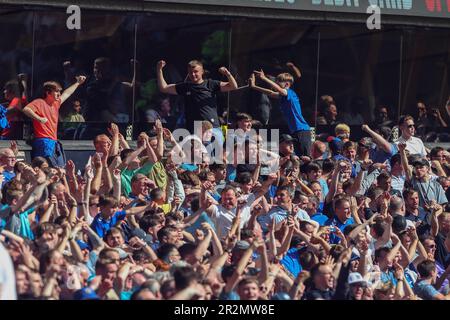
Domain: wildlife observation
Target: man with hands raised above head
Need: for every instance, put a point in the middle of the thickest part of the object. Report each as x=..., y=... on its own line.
x=199, y=94
x=44, y=113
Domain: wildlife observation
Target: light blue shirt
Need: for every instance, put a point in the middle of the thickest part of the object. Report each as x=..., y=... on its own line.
x=280, y=214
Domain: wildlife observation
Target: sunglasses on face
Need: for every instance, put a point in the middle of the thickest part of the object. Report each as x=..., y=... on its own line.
x=410, y=126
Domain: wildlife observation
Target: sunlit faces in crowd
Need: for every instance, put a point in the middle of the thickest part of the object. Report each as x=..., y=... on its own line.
x=316, y=188
x=115, y=238
x=342, y=209
x=102, y=144
x=248, y=289
x=229, y=199
x=349, y=150
x=407, y=127
x=7, y=159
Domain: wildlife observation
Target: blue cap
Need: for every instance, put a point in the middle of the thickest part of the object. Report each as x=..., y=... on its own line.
x=86, y=294
x=354, y=257
x=281, y=296
x=336, y=145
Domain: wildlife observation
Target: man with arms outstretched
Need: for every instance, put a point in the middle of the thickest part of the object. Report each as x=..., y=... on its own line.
x=199, y=94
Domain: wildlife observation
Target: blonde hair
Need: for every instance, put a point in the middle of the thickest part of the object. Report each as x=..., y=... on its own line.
x=285, y=77
x=342, y=130
x=101, y=137
x=206, y=125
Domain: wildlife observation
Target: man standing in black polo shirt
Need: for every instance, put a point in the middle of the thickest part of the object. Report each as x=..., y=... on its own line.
x=199, y=94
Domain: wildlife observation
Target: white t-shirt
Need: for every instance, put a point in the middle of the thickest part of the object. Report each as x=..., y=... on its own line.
x=223, y=218
x=7, y=276
x=413, y=145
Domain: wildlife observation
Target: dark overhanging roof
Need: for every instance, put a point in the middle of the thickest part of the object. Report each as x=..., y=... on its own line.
x=154, y=6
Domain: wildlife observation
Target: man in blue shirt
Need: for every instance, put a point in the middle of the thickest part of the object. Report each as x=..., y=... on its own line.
x=109, y=216
x=282, y=210
x=424, y=288
x=290, y=107
x=341, y=219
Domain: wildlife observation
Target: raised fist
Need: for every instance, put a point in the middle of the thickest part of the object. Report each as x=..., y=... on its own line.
x=224, y=71
x=80, y=79
x=161, y=64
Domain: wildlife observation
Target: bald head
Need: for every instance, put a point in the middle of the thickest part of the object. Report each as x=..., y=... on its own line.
x=397, y=206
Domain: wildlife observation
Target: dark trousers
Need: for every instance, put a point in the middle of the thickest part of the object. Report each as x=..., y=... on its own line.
x=303, y=144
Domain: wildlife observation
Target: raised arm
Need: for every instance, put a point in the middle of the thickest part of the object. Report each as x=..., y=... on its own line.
x=160, y=137
x=295, y=70
x=133, y=155
x=23, y=77
x=436, y=211
x=106, y=177
x=151, y=155
x=333, y=185
x=117, y=184
x=378, y=139
x=114, y=150
x=242, y=264
x=162, y=84
x=70, y=90
x=176, y=149
x=203, y=245
x=356, y=186
x=97, y=181
x=89, y=176
x=387, y=234
x=231, y=84
x=71, y=176
x=96, y=241
x=252, y=85
x=287, y=241
x=260, y=74
x=271, y=178
x=404, y=159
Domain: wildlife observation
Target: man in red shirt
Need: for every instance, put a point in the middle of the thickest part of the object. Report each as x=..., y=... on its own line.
x=15, y=92
x=44, y=113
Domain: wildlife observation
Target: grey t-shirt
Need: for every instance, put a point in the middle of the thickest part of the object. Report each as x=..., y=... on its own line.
x=429, y=190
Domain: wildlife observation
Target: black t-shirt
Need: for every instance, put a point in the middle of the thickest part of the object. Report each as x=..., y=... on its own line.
x=200, y=101
x=315, y=294
x=98, y=94
x=441, y=255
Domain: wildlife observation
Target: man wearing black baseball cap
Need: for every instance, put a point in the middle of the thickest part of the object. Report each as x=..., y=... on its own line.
x=429, y=190
x=287, y=145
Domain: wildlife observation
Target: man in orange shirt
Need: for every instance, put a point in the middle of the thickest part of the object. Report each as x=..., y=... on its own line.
x=44, y=113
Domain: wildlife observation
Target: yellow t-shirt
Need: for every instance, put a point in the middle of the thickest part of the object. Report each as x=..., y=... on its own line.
x=166, y=207
x=159, y=175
